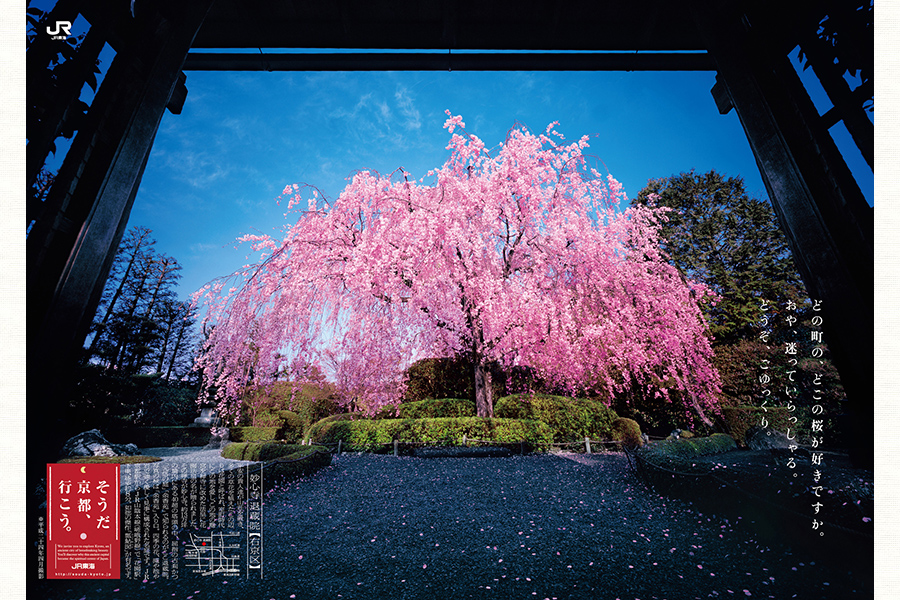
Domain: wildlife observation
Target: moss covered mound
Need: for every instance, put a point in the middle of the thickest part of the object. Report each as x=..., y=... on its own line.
x=678, y=453
x=280, y=459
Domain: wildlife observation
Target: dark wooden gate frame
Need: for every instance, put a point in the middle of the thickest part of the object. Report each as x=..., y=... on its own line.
x=78, y=227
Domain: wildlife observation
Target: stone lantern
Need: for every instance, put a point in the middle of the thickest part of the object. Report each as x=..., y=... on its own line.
x=208, y=416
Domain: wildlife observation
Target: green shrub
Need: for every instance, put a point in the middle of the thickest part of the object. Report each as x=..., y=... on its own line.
x=290, y=418
x=439, y=378
x=360, y=434
x=739, y=419
x=268, y=419
x=107, y=399
x=163, y=403
x=309, y=401
x=292, y=426
x=389, y=411
x=570, y=419
x=318, y=426
x=436, y=409
x=377, y=435
x=628, y=432
x=253, y=434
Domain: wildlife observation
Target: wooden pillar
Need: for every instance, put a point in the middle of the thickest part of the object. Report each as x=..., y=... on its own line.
x=818, y=203
x=69, y=251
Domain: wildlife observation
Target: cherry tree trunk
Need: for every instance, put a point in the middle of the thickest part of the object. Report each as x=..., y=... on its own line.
x=484, y=404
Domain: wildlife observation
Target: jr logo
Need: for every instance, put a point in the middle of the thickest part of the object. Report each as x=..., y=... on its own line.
x=62, y=30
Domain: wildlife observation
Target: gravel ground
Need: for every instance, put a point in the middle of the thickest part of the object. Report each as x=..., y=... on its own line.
x=146, y=474
x=543, y=526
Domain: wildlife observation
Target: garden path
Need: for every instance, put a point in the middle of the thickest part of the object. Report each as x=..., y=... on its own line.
x=539, y=526
x=142, y=475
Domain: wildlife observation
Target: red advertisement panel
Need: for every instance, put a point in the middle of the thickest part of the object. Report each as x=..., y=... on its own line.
x=83, y=521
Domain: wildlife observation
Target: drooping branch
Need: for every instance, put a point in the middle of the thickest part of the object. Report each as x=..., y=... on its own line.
x=517, y=258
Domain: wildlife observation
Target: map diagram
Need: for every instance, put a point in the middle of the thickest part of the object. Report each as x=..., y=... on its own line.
x=214, y=554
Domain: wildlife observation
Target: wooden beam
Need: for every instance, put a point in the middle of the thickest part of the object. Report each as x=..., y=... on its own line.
x=448, y=61
x=819, y=205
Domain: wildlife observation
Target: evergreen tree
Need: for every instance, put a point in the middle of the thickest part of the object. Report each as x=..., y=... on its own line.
x=718, y=235
x=140, y=326
x=132, y=254
x=175, y=355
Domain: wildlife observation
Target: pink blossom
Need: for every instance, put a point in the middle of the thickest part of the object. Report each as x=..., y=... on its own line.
x=517, y=257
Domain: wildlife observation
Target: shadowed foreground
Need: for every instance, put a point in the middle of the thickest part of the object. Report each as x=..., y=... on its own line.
x=542, y=526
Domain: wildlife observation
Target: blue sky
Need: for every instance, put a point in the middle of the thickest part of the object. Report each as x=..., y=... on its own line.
x=216, y=169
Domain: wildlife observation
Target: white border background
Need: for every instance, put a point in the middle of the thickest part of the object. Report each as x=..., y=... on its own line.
x=12, y=300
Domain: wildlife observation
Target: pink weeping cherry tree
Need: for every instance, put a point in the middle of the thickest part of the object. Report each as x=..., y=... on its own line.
x=514, y=256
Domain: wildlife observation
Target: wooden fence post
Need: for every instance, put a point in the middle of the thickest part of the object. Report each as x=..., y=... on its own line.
x=395, y=448
x=587, y=445
x=339, y=446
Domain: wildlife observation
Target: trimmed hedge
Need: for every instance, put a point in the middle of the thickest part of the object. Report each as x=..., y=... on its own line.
x=291, y=422
x=351, y=416
x=159, y=437
x=377, y=435
x=298, y=464
x=259, y=450
x=437, y=409
x=628, y=432
x=571, y=419
x=739, y=419
x=280, y=460
x=254, y=434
